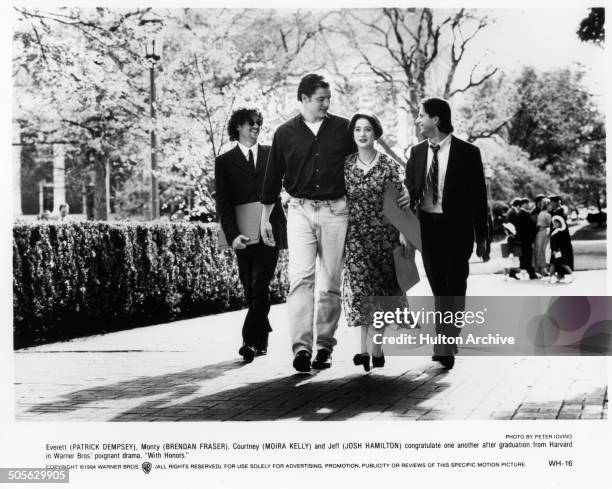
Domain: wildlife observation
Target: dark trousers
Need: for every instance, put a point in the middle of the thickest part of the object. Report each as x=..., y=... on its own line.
x=446, y=261
x=256, y=266
x=526, y=259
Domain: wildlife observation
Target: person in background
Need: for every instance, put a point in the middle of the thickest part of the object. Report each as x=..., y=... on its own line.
x=64, y=211
x=557, y=210
x=512, y=213
x=537, y=207
x=526, y=230
x=543, y=222
x=560, y=245
x=511, y=260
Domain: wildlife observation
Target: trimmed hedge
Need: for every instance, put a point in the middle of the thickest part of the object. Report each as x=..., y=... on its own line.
x=77, y=279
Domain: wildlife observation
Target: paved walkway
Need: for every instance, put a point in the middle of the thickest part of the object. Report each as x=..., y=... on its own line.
x=190, y=371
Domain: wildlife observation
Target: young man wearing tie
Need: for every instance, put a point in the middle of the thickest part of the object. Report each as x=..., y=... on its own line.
x=239, y=175
x=445, y=180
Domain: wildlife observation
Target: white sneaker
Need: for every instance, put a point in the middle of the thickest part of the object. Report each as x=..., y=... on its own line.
x=568, y=279
x=553, y=279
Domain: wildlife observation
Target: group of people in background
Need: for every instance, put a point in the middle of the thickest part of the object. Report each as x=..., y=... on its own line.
x=47, y=215
x=530, y=231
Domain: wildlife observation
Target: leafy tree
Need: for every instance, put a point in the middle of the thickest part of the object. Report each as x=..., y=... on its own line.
x=75, y=73
x=513, y=174
x=592, y=27
x=557, y=123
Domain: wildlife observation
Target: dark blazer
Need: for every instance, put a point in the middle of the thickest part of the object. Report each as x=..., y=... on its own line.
x=236, y=183
x=525, y=227
x=464, y=198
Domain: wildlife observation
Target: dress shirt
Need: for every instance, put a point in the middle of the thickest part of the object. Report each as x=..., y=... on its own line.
x=427, y=203
x=310, y=166
x=245, y=151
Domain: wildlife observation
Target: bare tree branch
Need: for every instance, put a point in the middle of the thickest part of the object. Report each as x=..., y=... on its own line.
x=473, y=83
x=487, y=133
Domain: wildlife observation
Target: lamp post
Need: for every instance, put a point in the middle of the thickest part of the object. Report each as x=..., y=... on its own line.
x=153, y=49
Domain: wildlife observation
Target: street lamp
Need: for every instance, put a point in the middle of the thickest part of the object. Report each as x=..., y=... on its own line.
x=153, y=50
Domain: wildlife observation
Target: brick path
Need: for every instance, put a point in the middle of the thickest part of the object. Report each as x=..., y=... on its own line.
x=190, y=371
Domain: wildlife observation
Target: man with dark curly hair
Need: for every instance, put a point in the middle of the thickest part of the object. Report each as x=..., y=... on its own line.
x=239, y=175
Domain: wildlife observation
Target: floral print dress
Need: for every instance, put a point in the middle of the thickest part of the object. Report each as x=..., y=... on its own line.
x=369, y=268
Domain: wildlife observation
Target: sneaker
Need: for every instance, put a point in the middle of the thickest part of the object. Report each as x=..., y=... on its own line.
x=568, y=279
x=301, y=362
x=553, y=279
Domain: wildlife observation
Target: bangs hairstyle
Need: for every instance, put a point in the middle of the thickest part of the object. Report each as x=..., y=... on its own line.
x=437, y=107
x=372, y=120
x=310, y=84
x=238, y=118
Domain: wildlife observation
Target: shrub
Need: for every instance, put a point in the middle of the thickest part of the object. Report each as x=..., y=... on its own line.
x=75, y=279
x=597, y=218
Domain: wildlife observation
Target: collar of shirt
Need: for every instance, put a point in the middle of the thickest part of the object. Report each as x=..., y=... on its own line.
x=314, y=126
x=245, y=151
x=442, y=143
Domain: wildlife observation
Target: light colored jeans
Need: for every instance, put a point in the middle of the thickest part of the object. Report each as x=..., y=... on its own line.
x=316, y=231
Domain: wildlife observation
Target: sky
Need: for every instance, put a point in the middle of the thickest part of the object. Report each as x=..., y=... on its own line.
x=544, y=38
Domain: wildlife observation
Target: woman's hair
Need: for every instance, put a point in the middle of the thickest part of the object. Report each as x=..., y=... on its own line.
x=371, y=118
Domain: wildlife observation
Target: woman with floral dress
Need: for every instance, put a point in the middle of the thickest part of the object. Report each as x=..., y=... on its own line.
x=369, y=267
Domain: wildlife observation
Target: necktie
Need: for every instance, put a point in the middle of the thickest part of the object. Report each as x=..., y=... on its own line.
x=251, y=160
x=432, y=175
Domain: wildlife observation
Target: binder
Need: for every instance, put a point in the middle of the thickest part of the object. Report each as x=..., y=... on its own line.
x=405, y=221
x=405, y=268
x=248, y=218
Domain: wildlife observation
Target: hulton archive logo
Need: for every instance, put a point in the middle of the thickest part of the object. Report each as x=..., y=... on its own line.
x=146, y=467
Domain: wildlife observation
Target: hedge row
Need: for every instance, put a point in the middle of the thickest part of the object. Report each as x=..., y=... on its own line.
x=77, y=279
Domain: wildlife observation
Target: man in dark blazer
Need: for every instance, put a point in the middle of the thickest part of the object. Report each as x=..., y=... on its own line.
x=445, y=180
x=239, y=175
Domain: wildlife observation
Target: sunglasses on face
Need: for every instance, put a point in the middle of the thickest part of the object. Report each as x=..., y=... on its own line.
x=252, y=122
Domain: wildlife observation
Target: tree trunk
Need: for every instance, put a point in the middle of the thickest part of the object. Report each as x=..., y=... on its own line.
x=101, y=188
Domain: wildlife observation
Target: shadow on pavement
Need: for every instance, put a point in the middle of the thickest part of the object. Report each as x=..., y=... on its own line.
x=170, y=386
x=305, y=398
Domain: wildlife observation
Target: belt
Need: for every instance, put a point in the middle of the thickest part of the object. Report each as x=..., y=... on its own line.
x=302, y=200
x=432, y=216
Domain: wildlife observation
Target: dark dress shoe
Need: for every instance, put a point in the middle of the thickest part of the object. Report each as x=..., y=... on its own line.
x=247, y=352
x=301, y=362
x=378, y=361
x=362, y=359
x=322, y=360
x=447, y=362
